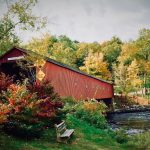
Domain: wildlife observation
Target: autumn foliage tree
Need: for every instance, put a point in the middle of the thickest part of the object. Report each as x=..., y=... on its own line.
x=133, y=74
x=83, y=49
x=94, y=64
x=127, y=78
x=120, y=76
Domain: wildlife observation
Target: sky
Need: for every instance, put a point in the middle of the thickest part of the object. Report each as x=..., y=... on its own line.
x=90, y=20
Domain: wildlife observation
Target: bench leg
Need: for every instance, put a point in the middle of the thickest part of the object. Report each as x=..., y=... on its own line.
x=62, y=140
x=58, y=139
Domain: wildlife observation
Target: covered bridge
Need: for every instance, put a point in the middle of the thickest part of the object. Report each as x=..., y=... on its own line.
x=65, y=80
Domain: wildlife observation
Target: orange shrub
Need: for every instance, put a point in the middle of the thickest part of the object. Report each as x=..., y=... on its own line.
x=18, y=97
x=94, y=105
x=4, y=111
x=5, y=81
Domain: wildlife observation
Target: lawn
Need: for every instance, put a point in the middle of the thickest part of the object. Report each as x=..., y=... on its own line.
x=85, y=137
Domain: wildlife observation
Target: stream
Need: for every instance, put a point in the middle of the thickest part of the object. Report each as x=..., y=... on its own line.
x=132, y=122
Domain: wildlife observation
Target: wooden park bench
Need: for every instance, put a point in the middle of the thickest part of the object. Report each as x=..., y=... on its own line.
x=63, y=134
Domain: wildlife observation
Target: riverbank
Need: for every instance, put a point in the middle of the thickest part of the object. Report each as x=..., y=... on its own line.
x=130, y=109
x=124, y=101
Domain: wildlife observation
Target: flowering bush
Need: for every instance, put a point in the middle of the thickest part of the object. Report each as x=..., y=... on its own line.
x=21, y=108
x=18, y=97
x=20, y=100
x=14, y=100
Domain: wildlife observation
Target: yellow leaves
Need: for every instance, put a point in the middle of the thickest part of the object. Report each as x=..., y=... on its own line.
x=136, y=83
x=94, y=106
x=95, y=65
x=90, y=106
x=39, y=63
x=40, y=45
x=31, y=105
x=127, y=77
x=3, y=118
x=133, y=71
x=147, y=67
x=128, y=51
x=4, y=110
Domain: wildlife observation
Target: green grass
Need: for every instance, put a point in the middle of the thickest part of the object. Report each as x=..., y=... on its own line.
x=138, y=142
x=85, y=137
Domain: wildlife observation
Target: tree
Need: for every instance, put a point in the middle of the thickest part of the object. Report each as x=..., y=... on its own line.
x=36, y=58
x=127, y=77
x=40, y=45
x=83, y=49
x=95, y=65
x=111, y=50
x=61, y=49
x=64, y=50
x=134, y=81
x=120, y=76
x=19, y=15
x=81, y=53
x=10, y=39
x=143, y=55
x=128, y=52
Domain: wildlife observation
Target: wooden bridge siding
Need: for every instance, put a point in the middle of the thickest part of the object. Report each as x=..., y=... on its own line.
x=70, y=83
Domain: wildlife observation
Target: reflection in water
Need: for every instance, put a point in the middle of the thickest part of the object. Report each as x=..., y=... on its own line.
x=135, y=120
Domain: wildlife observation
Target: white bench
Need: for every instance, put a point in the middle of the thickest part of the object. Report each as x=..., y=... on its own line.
x=63, y=134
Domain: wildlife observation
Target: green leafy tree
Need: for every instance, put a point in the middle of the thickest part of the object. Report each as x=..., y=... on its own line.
x=64, y=50
x=143, y=55
x=61, y=49
x=19, y=16
x=111, y=50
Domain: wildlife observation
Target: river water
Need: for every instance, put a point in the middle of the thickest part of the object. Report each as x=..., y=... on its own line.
x=133, y=122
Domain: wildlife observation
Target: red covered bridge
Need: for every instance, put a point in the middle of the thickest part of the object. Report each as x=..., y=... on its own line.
x=65, y=80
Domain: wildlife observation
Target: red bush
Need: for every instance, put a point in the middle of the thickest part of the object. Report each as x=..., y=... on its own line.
x=44, y=89
x=48, y=101
x=46, y=108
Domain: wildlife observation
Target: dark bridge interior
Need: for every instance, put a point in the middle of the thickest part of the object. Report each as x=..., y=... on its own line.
x=18, y=73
